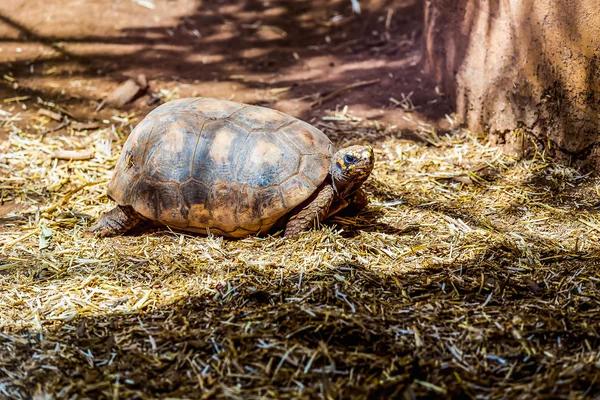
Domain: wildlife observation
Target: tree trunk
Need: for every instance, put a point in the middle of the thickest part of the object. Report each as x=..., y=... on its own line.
x=526, y=72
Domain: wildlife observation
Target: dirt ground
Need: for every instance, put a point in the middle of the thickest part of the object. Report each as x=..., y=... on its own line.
x=280, y=54
x=471, y=274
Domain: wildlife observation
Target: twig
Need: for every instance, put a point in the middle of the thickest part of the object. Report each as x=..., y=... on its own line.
x=50, y=114
x=70, y=194
x=73, y=155
x=60, y=126
x=343, y=89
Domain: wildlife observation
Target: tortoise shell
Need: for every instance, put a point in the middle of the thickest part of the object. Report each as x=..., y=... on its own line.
x=201, y=164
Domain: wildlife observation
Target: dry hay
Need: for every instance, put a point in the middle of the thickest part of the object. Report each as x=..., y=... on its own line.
x=471, y=275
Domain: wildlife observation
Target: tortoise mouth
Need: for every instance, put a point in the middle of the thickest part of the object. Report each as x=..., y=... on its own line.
x=340, y=179
x=337, y=172
x=336, y=169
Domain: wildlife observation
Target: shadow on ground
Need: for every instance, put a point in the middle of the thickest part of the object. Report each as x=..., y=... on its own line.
x=344, y=332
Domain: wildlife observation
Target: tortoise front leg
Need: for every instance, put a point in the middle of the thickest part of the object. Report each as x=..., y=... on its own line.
x=312, y=213
x=357, y=201
x=116, y=222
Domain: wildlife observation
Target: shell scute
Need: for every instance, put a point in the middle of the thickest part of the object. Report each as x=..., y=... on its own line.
x=211, y=109
x=168, y=159
x=144, y=199
x=266, y=161
x=308, y=169
x=130, y=164
x=306, y=138
x=248, y=209
x=195, y=196
x=222, y=200
x=217, y=152
x=266, y=119
x=174, y=107
x=296, y=187
x=204, y=108
x=171, y=210
x=272, y=206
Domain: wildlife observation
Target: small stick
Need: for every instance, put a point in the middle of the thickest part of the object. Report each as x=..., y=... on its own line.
x=73, y=155
x=21, y=238
x=343, y=89
x=69, y=194
x=80, y=126
x=99, y=107
x=60, y=126
x=51, y=114
x=16, y=99
x=388, y=19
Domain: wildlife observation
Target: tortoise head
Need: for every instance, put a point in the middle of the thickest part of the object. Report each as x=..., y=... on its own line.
x=351, y=166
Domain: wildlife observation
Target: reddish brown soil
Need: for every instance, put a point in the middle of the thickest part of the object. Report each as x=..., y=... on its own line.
x=282, y=54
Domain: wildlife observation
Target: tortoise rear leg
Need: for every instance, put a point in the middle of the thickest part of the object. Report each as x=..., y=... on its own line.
x=116, y=222
x=311, y=213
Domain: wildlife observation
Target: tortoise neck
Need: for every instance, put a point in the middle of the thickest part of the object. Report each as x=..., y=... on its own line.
x=343, y=185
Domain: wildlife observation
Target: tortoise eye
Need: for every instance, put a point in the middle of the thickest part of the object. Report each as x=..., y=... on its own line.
x=350, y=159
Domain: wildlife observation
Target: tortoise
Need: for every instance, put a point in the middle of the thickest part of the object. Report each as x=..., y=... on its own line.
x=235, y=170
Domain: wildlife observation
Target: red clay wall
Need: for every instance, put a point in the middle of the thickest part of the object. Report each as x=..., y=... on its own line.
x=524, y=71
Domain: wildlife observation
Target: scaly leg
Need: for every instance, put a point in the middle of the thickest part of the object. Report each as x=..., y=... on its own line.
x=357, y=201
x=312, y=213
x=116, y=222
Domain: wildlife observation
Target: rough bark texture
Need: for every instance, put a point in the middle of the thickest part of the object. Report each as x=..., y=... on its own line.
x=524, y=71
